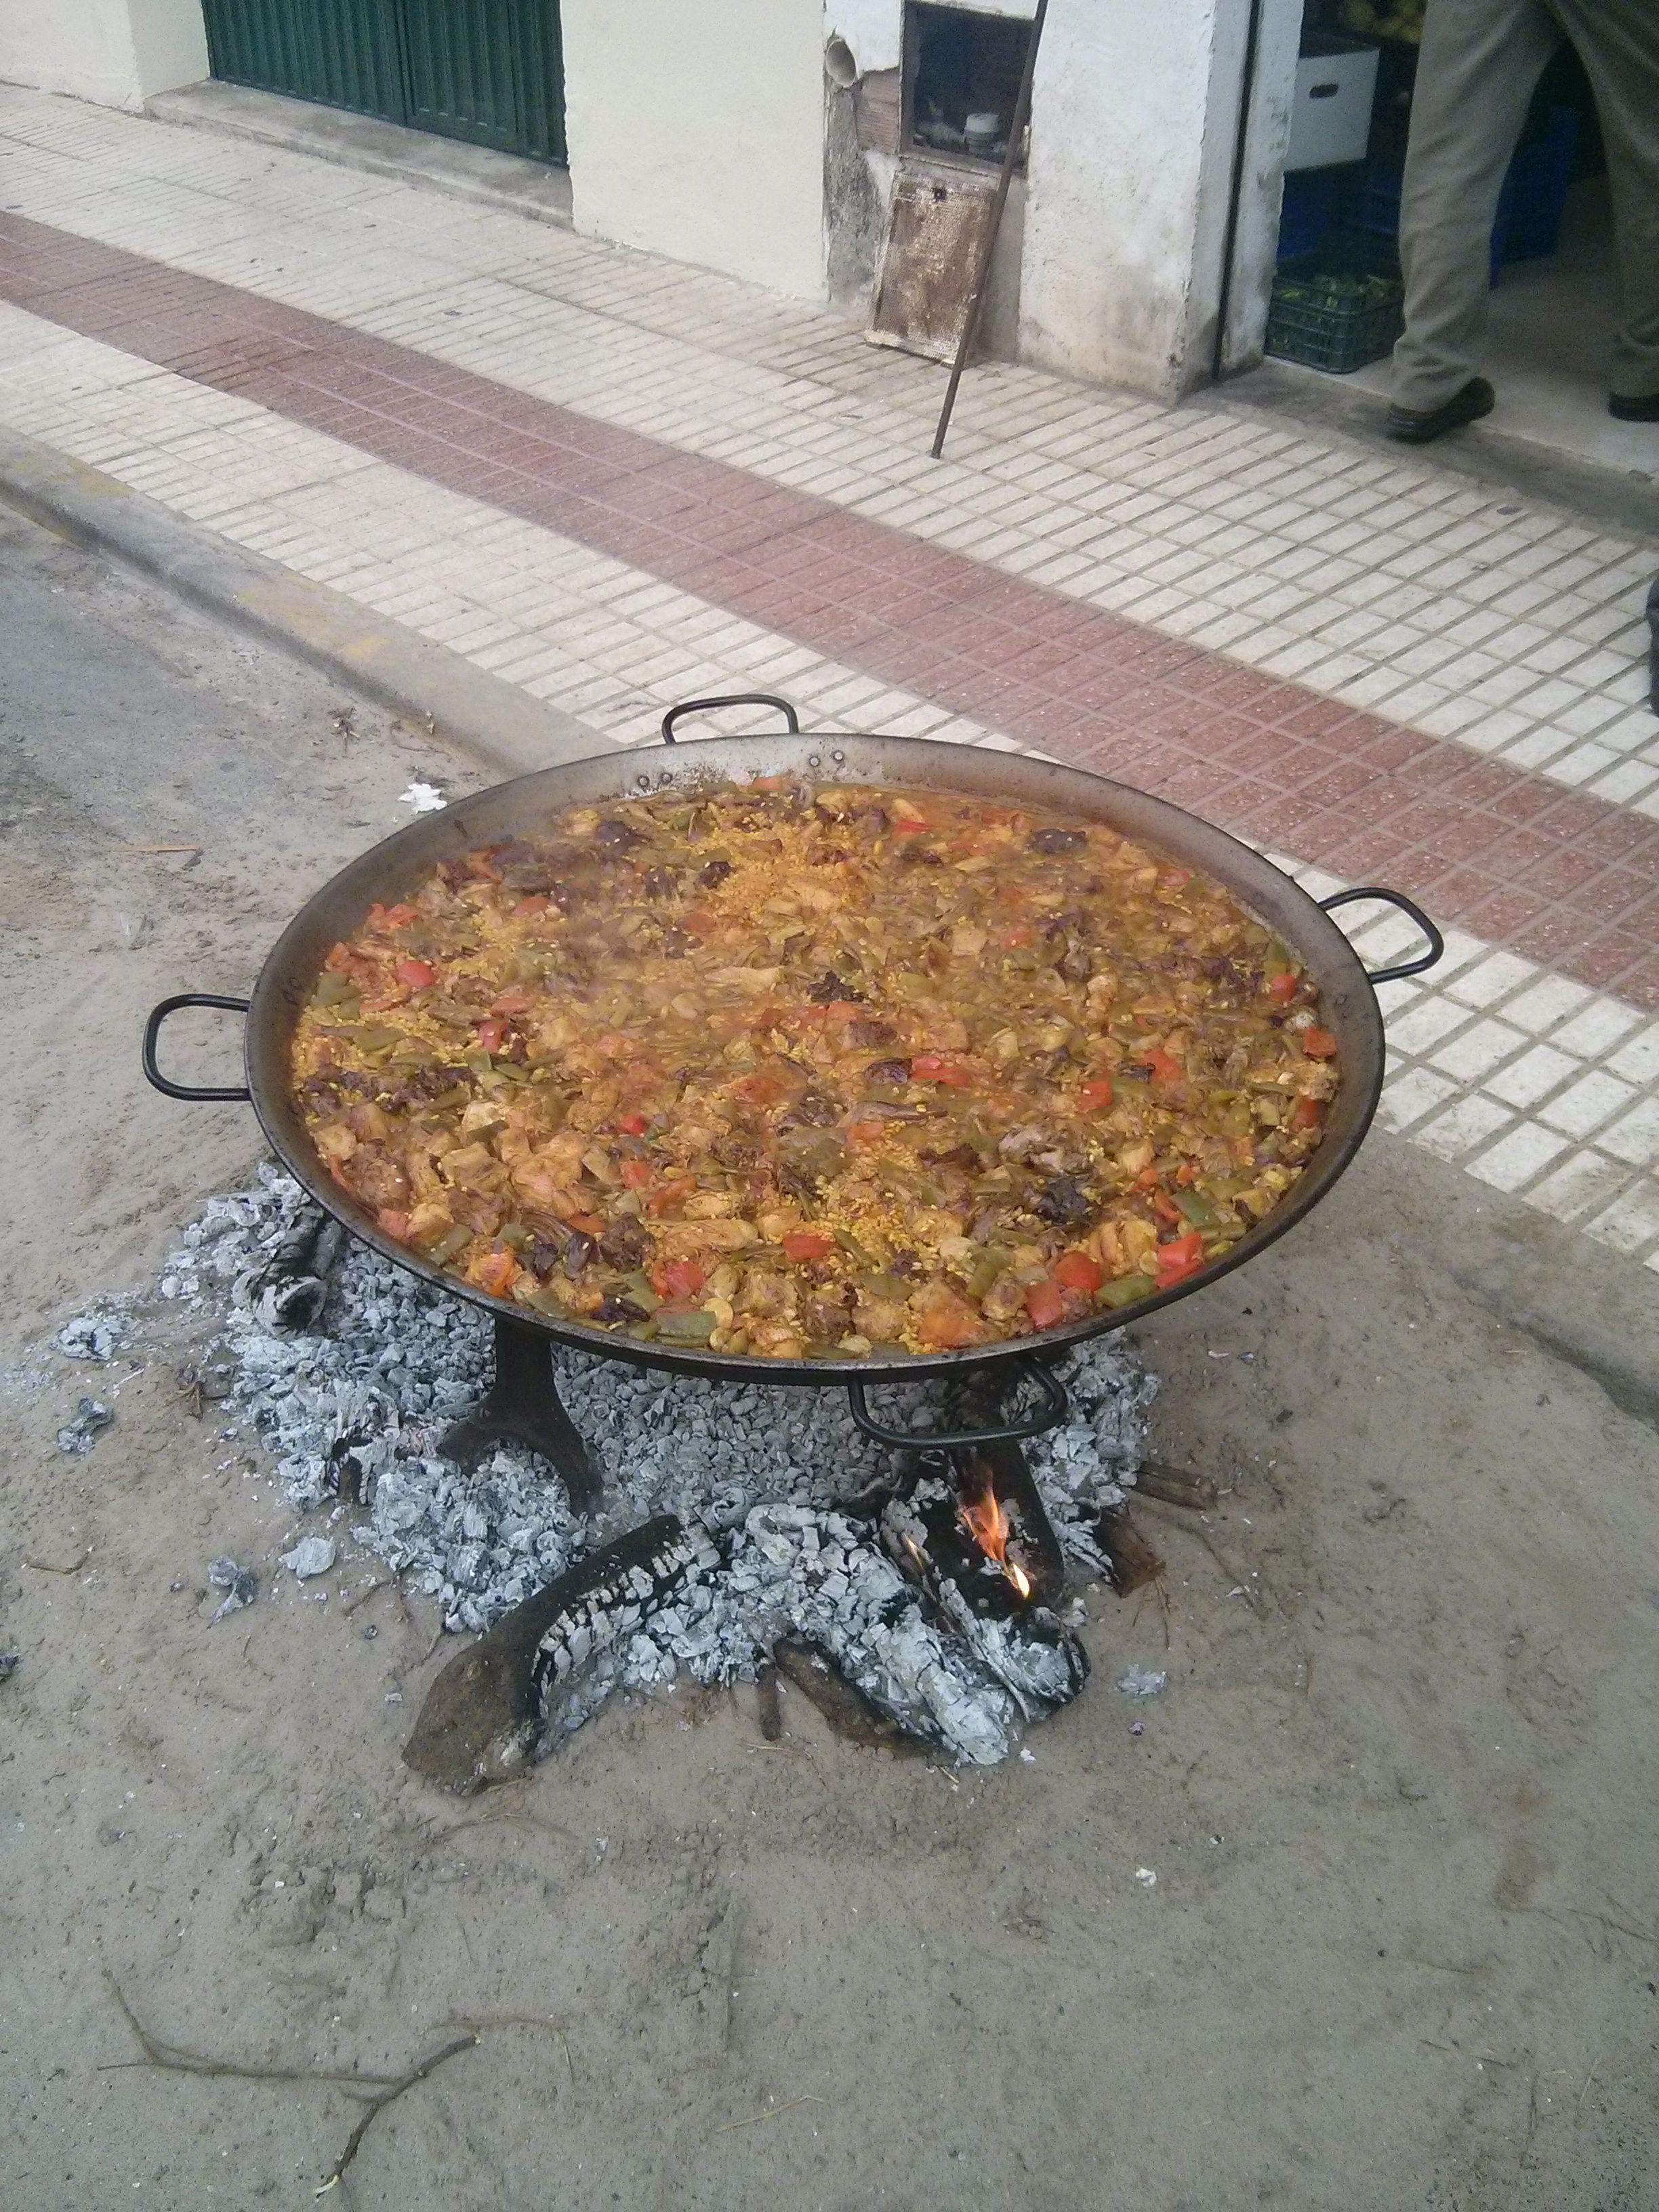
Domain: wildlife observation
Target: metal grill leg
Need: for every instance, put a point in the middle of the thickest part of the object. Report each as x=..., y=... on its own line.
x=522, y=1406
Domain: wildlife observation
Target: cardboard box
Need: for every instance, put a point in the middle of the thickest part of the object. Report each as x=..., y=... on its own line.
x=1331, y=117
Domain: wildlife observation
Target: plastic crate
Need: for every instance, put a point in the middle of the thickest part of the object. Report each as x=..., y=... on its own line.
x=1338, y=307
x=1528, y=225
x=1535, y=190
x=1307, y=210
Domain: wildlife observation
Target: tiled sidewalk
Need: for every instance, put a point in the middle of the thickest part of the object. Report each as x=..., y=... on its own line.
x=640, y=481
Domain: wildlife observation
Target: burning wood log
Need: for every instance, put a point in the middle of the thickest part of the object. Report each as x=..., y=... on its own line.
x=967, y=1555
x=486, y=1712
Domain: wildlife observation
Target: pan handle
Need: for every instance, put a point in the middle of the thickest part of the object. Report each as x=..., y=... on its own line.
x=791, y=719
x=153, y=1030
x=1436, y=942
x=1053, y=1411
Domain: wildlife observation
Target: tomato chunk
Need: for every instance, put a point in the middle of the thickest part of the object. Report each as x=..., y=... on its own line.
x=417, y=974
x=1165, y=1067
x=808, y=1244
x=1304, y=1114
x=933, y=1068
x=636, y=1173
x=1318, y=1044
x=1282, y=987
x=632, y=1125
x=1045, y=1303
x=1096, y=1094
x=1077, y=1272
x=678, y=1279
x=1181, y=1257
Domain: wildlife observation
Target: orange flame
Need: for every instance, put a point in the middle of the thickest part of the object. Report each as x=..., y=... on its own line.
x=988, y=1524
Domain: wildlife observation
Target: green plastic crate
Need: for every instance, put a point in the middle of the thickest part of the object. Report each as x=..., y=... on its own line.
x=1338, y=307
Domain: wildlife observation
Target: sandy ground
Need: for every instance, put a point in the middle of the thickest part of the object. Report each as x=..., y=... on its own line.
x=1403, y=1944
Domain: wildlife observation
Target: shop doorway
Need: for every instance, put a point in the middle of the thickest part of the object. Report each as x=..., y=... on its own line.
x=1555, y=298
x=489, y=71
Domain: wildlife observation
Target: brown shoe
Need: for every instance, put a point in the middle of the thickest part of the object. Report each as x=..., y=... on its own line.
x=1415, y=428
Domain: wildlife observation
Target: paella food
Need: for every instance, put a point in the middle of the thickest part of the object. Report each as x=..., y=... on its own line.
x=816, y=1071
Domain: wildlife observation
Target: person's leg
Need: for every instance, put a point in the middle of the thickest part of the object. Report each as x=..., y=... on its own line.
x=1618, y=42
x=1479, y=62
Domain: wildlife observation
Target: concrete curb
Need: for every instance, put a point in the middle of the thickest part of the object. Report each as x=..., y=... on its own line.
x=500, y=724
x=535, y=190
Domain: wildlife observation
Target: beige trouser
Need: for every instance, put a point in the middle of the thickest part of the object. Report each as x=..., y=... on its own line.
x=1480, y=62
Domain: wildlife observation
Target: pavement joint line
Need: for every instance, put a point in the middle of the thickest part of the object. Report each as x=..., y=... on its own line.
x=501, y=726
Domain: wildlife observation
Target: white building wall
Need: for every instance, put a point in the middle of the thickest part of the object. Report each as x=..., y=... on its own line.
x=115, y=52
x=1134, y=132
x=695, y=129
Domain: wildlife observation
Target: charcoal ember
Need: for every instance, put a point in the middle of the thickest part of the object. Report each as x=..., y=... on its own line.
x=364, y=1406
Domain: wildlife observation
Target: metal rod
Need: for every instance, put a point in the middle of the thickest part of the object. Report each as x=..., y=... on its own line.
x=999, y=200
x=1241, y=142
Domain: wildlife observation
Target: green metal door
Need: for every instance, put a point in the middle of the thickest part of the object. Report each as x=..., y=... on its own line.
x=490, y=71
x=487, y=71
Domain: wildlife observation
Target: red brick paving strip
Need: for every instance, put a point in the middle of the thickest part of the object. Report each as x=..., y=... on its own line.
x=1564, y=879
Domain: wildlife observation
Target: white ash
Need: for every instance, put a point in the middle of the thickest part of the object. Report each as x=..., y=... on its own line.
x=90, y=1415
x=360, y=1407
x=311, y=1556
x=238, y=1584
x=92, y=1336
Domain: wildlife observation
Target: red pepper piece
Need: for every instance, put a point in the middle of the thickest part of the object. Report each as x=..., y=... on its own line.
x=1075, y=1271
x=1045, y=1303
x=807, y=1244
x=1181, y=1257
x=1318, y=1044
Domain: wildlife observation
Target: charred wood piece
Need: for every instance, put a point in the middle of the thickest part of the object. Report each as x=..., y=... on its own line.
x=610, y=1596
x=842, y=1704
x=1130, y=1560
x=767, y=1709
x=1170, y=1487
x=483, y=1715
x=291, y=1289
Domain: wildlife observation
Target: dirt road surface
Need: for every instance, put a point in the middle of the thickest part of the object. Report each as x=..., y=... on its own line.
x=1403, y=1945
